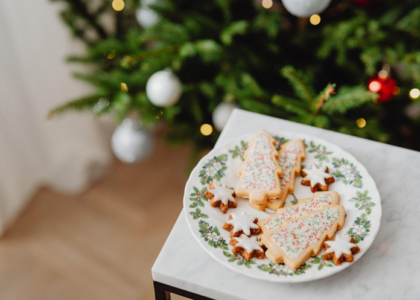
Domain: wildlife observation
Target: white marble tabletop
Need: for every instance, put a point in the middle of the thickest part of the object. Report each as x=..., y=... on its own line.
x=389, y=270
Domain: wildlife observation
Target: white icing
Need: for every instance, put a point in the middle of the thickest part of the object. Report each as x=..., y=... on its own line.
x=316, y=175
x=249, y=243
x=222, y=192
x=260, y=165
x=300, y=234
x=243, y=222
x=340, y=246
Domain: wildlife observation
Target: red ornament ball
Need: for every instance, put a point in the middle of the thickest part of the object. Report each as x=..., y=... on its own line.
x=385, y=87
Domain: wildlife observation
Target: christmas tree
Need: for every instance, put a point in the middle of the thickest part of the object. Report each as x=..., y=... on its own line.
x=352, y=68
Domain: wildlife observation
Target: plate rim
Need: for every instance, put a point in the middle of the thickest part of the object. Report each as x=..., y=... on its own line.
x=289, y=279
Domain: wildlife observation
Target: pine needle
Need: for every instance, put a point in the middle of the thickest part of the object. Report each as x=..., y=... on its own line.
x=296, y=81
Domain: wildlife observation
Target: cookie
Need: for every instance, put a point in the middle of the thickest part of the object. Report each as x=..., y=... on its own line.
x=242, y=224
x=260, y=172
x=317, y=178
x=299, y=239
x=341, y=249
x=316, y=202
x=221, y=196
x=291, y=155
x=248, y=247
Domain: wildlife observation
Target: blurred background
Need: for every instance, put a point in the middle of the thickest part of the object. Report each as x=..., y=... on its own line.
x=107, y=105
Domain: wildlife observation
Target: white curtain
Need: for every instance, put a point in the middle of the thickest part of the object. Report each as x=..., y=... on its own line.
x=64, y=153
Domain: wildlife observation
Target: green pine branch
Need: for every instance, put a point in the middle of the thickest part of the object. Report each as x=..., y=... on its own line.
x=296, y=80
x=87, y=102
x=80, y=9
x=348, y=98
x=291, y=105
x=232, y=51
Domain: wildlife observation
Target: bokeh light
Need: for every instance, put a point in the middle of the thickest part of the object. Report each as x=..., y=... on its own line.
x=118, y=5
x=414, y=93
x=124, y=87
x=267, y=3
x=111, y=54
x=383, y=74
x=361, y=123
x=206, y=129
x=315, y=19
x=375, y=86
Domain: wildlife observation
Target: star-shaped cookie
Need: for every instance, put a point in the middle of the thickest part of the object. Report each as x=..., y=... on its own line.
x=221, y=196
x=341, y=249
x=242, y=224
x=248, y=247
x=317, y=178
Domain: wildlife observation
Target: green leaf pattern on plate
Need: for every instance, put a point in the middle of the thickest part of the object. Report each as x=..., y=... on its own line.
x=363, y=202
x=239, y=259
x=360, y=228
x=282, y=269
x=197, y=214
x=321, y=153
x=212, y=235
x=239, y=151
x=321, y=262
x=198, y=197
x=214, y=169
x=347, y=172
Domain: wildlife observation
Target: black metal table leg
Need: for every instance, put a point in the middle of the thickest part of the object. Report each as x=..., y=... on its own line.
x=160, y=293
x=163, y=292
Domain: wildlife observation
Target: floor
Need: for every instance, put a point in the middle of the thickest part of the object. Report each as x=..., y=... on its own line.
x=98, y=245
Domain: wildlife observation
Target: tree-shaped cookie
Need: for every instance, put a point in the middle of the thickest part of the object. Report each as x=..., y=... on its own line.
x=291, y=155
x=341, y=249
x=221, y=196
x=259, y=174
x=316, y=202
x=242, y=224
x=301, y=238
x=317, y=178
x=248, y=247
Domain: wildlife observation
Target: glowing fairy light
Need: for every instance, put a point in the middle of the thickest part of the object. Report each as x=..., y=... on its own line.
x=315, y=19
x=267, y=3
x=361, y=123
x=206, y=129
x=375, y=86
x=414, y=93
x=118, y=5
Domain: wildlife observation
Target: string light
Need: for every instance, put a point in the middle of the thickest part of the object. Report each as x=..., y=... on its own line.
x=383, y=74
x=396, y=90
x=118, y=5
x=375, y=86
x=267, y=3
x=206, y=129
x=160, y=113
x=315, y=19
x=111, y=55
x=124, y=87
x=361, y=123
x=414, y=93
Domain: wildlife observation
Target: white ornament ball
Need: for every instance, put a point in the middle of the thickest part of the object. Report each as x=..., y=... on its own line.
x=221, y=114
x=131, y=143
x=305, y=8
x=163, y=88
x=146, y=17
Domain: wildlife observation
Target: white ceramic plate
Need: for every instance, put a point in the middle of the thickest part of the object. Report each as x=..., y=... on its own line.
x=357, y=189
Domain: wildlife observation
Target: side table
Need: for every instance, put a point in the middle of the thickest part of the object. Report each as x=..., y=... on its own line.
x=389, y=270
